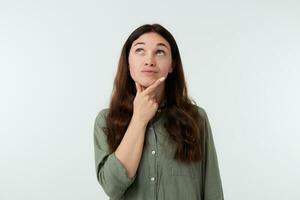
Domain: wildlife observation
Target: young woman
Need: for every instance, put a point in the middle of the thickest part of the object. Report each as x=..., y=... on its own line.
x=153, y=142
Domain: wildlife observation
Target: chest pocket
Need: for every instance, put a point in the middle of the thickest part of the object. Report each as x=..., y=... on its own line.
x=177, y=168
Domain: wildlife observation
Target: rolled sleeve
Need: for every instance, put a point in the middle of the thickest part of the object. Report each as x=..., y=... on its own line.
x=111, y=173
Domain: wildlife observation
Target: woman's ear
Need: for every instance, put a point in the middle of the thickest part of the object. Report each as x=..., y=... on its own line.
x=171, y=69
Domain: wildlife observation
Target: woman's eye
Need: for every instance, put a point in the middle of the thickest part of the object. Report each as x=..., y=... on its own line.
x=138, y=50
x=161, y=52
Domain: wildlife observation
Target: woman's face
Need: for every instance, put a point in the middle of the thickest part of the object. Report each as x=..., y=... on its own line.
x=149, y=58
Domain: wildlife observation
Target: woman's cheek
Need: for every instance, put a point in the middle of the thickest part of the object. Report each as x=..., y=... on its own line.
x=132, y=74
x=165, y=73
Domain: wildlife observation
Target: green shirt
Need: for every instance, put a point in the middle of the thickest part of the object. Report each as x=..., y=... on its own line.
x=159, y=177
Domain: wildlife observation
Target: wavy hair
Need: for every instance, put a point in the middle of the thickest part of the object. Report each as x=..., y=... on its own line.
x=183, y=121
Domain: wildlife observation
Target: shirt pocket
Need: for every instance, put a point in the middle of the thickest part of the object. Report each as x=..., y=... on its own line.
x=178, y=168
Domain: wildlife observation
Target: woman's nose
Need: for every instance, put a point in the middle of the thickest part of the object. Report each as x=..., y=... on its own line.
x=150, y=61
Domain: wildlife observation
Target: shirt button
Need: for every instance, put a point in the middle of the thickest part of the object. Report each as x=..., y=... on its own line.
x=153, y=152
x=152, y=178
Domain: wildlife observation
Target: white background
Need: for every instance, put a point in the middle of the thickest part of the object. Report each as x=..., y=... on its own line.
x=58, y=60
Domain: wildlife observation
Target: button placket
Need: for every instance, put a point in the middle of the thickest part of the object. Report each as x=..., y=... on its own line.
x=153, y=172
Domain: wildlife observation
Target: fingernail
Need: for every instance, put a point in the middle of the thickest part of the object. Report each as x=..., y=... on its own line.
x=162, y=79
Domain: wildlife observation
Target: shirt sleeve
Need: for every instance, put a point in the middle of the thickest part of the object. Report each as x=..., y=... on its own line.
x=211, y=175
x=111, y=173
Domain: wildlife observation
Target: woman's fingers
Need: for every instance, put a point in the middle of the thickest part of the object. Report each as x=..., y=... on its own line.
x=153, y=86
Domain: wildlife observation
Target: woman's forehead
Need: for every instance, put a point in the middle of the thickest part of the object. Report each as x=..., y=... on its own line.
x=151, y=39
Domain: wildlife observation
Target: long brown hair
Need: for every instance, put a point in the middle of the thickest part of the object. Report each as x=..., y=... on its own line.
x=183, y=122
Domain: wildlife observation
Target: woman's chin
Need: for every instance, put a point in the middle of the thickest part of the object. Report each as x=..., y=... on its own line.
x=146, y=83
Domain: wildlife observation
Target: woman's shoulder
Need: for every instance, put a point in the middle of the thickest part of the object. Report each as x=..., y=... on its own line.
x=201, y=111
x=102, y=114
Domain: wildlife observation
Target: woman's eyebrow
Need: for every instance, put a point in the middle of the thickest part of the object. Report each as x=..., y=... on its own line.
x=162, y=44
x=139, y=43
x=158, y=44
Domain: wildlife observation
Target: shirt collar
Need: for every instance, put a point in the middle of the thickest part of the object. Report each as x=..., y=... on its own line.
x=162, y=106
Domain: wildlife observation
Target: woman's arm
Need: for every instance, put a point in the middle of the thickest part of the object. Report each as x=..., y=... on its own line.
x=131, y=147
x=116, y=171
x=116, y=174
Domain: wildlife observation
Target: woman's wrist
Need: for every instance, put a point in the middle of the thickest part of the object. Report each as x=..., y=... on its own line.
x=137, y=121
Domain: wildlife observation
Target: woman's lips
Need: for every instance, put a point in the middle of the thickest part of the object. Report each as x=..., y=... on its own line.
x=149, y=73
